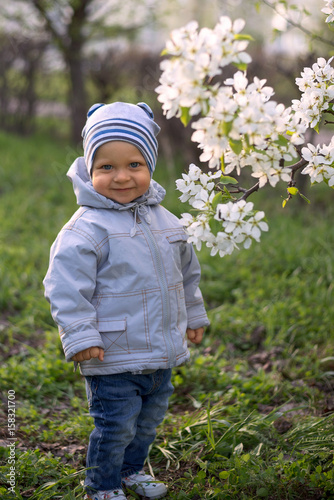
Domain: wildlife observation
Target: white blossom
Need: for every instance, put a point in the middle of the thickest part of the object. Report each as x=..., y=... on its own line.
x=329, y=10
x=320, y=160
x=240, y=224
x=197, y=228
x=317, y=87
x=196, y=56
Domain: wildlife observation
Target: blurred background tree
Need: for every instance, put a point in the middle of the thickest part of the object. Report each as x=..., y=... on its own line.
x=68, y=26
x=60, y=56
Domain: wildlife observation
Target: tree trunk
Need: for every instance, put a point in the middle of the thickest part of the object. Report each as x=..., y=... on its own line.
x=71, y=45
x=74, y=58
x=77, y=96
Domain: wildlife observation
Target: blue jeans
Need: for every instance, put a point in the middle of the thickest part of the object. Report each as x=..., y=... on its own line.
x=126, y=409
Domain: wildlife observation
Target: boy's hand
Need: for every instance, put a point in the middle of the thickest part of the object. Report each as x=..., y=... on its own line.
x=195, y=336
x=91, y=352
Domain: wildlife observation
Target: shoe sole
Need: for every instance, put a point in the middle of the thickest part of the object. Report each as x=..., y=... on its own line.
x=144, y=497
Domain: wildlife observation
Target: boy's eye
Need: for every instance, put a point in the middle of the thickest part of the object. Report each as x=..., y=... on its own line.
x=106, y=167
x=134, y=164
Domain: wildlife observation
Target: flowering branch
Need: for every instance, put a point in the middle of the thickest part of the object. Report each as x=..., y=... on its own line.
x=250, y=191
x=297, y=166
x=238, y=126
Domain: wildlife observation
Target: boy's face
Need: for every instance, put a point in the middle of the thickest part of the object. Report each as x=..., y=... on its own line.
x=120, y=172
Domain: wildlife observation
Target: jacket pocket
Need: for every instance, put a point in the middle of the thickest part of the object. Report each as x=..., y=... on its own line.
x=114, y=335
x=124, y=321
x=177, y=237
x=176, y=247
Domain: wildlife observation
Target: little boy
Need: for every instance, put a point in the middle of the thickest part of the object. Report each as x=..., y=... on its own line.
x=123, y=288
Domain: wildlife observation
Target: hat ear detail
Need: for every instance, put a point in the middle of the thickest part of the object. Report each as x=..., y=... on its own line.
x=93, y=108
x=146, y=108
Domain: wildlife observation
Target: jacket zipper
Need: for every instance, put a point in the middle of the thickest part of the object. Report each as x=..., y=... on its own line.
x=164, y=289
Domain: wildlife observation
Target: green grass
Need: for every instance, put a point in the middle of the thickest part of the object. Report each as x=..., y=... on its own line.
x=252, y=414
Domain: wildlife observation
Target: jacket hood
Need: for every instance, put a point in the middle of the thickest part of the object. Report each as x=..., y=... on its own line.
x=87, y=196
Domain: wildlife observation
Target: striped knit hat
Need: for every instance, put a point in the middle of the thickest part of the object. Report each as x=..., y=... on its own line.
x=121, y=121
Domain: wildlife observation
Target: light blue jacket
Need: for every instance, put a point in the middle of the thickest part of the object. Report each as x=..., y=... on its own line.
x=124, y=278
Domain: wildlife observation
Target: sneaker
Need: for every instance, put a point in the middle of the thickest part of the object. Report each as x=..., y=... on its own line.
x=145, y=485
x=106, y=495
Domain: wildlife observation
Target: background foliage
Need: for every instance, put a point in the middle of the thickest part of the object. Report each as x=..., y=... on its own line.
x=251, y=416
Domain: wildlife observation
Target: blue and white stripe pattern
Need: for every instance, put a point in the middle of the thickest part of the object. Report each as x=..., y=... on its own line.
x=121, y=121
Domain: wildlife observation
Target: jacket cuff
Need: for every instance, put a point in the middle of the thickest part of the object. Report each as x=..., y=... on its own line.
x=197, y=316
x=82, y=341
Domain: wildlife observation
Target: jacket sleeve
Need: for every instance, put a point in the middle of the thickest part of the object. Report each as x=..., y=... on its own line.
x=69, y=287
x=191, y=271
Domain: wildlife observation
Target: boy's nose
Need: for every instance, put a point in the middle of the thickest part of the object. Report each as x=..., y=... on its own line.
x=121, y=175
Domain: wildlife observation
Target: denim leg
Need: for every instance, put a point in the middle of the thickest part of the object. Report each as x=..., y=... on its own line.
x=126, y=409
x=115, y=405
x=153, y=410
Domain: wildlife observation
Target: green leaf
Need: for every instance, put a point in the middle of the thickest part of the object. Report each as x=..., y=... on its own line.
x=218, y=198
x=262, y=492
x=282, y=141
x=226, y=127
x=202, y=465
x=293, y=190
x=225, y=179
x=185, y=116
x=240, y=36
x=215, y=226
x=224, y=474
x=242, y=66
x=227, y=193
x=236, y=146
x=248, y=144
x=304, y=198
x=222, y=163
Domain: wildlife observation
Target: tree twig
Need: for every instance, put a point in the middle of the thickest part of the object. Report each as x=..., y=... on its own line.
x=307, y=32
